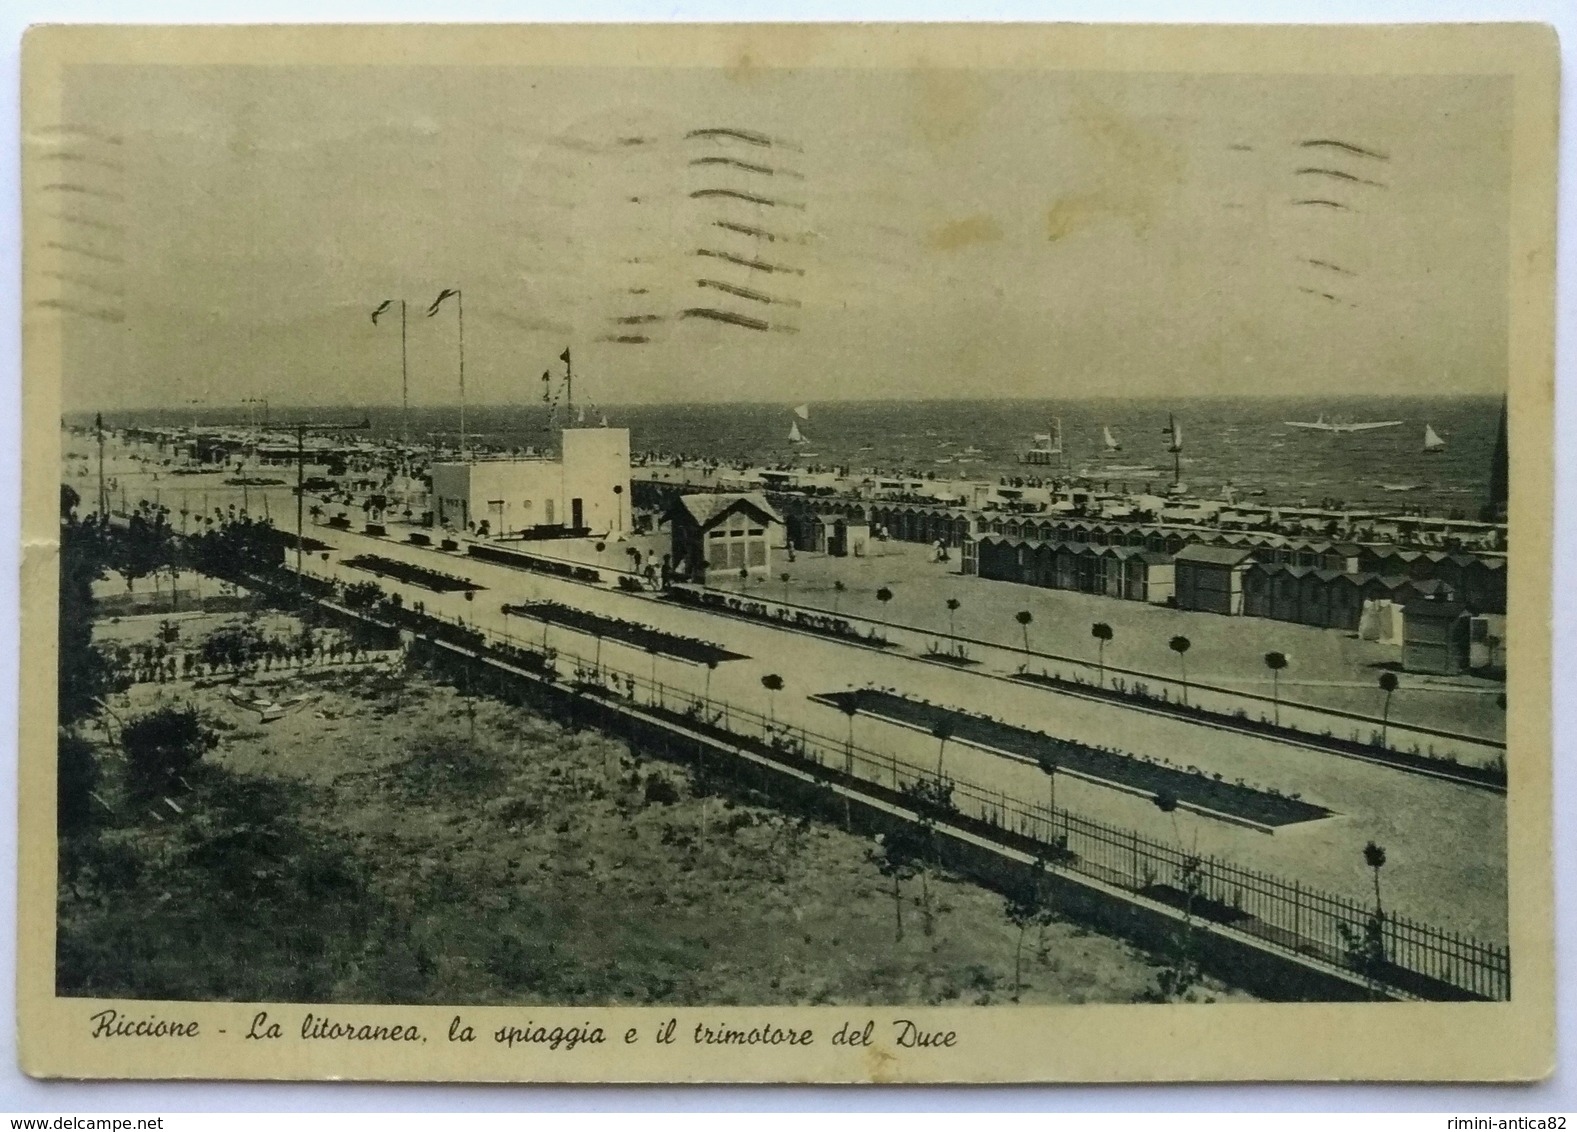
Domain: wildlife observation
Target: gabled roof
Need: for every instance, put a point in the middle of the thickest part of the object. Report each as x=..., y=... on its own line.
x=1214, y=555
x=1434, y=610
x=708, y=510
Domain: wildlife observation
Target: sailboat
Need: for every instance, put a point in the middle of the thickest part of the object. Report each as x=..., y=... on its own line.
x=1110, y=440
x=795, y=436
x=1432, y=439
x=1176, y=449
x=802, y=412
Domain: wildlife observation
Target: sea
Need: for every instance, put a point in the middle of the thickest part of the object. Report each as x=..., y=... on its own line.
x=1242, y=443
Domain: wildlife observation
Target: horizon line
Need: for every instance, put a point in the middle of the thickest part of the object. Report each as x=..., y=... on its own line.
x=395, y=407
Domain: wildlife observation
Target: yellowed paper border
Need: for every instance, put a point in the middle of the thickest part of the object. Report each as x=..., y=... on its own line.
x=1397, y=1042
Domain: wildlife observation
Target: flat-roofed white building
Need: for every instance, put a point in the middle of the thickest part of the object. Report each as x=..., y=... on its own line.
x=586, y=489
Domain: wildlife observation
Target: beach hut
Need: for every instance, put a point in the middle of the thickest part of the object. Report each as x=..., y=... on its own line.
x=1344, y=602
x=1436, y=637
x=1314, y=597
x=1089, y=566
x=848, y=537
x=1067, y=566
x=1343, y=557
x=1150, y=577
x=1258, y=580
x=1286, y=593
x=1042, y=564
x=1210, y=578
x=995, y=559
x=1114, y=576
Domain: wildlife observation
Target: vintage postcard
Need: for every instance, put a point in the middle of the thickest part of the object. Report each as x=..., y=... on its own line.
x=788, y=553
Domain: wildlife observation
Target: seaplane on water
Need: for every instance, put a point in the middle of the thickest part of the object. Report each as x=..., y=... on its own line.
x=1320, y=424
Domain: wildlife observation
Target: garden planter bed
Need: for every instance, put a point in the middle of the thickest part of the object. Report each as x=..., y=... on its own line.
x=822, y=625
x=308, y=544
x=1493, y=776
x=956, y=659
x=532, y=562
x=423, y=576
x=631, y=633
x=1193, y=789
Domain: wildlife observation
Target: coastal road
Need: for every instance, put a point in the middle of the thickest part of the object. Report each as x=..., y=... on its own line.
x=1445, y=842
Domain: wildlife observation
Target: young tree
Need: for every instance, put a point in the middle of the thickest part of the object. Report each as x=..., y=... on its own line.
x=932, y=800
x=1048, y=767
x=784, y=578
x=1024, y=618
x=1374, y=857
x=837, y=594
x=773, y=683
x=1025, y=904
x=1181, y=645
x=1102, y=632
x=1388, y=686
x=884, y=595
x=952, y=613
x=1276, y=661
x=941, y=732
x=1365, y=944
x=897, y=857
x=849, y=705
x=1176, y=980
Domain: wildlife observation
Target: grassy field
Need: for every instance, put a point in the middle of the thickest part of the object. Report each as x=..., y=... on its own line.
x=392, y=840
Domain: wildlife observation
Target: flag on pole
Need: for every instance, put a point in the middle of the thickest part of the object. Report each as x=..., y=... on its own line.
x=547, y=385
x=383, y=306
x=438, y=302
x=564, y=357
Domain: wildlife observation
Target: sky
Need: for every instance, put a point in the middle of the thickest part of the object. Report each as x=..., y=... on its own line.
x=225, y=232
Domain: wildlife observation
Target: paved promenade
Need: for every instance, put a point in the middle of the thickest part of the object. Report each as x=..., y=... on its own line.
x=1445, y=841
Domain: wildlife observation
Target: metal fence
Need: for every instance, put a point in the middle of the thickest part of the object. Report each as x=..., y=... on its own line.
x=1413, y=957
x=1416, y=958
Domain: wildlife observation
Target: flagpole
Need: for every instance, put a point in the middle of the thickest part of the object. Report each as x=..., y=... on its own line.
x=405, y=387
x=459, y=306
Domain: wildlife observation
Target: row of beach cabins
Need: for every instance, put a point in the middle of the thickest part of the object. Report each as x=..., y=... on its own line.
x=1309, y=581
x=1232, y=581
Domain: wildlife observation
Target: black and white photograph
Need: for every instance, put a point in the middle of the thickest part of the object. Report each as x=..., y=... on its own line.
x=784, y=538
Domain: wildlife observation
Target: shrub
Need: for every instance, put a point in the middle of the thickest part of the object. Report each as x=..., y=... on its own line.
x=162, y=746
x=659, y=790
